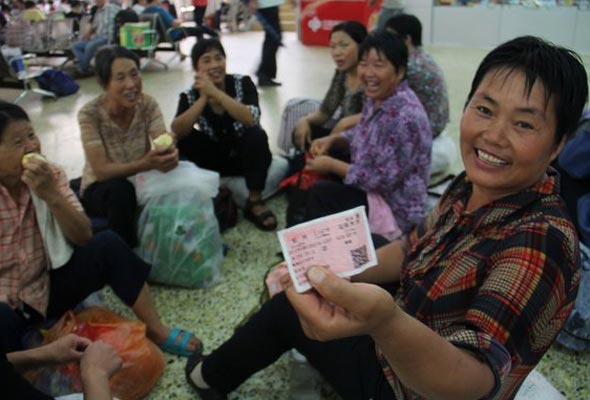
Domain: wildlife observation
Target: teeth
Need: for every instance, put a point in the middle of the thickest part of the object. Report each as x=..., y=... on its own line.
x=490, y=159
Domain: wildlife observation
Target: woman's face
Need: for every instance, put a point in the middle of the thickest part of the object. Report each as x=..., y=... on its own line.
x=212, y=64
x=344, y=51
x=125, y=86
x=17, y=140
x=507, y=137
x=378, y=76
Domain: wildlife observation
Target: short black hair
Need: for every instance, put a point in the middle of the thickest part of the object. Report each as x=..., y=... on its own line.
x=354, y=29
x=389, y=44
x=203, y=46
x=10, y=112
x=106, y=56
x=30, y=4
x=559, y=70
x=406, y=25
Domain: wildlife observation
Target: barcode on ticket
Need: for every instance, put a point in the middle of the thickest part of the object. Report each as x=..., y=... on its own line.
x=359, y=256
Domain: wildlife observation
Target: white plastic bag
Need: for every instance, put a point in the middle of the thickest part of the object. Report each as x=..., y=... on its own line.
x=179, y=236
x=185, y=177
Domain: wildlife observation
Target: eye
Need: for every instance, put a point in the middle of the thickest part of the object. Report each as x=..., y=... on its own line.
x=483, y=110
x=524, y=125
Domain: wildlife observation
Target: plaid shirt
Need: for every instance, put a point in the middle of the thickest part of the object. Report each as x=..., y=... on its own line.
x=499, y=281
x=23, y=264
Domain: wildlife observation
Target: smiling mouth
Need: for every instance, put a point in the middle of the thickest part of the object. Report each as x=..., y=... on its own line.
x=489, y=158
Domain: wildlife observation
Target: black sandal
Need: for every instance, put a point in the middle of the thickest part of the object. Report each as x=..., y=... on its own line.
x=260, y=219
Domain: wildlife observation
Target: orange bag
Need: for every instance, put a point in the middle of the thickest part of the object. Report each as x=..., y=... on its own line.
x=143, y=362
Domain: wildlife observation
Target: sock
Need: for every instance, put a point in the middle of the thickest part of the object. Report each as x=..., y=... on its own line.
x=197, y=377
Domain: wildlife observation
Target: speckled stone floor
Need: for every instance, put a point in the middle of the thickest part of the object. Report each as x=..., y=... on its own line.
x=214, y=312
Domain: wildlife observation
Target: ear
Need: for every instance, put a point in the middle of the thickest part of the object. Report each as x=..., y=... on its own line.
x=559, y=147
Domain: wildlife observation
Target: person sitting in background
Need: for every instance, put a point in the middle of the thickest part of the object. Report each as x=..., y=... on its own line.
x=179, y=32
x=427, y=80
x=345, y=94
x=230, y=139
x=486, y=281
x=117, y=128
x=38, y=283
x=98, y=362
x=389, y=147
x=32, y=13
x=101, y=32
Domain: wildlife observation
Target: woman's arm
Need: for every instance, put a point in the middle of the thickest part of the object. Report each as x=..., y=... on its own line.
x=187, y=116
x=99, y=362
x=65, y=349
x=234, y=108
x=423, y=361
x=346, y=123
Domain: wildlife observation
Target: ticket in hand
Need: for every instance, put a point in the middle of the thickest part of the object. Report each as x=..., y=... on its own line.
x=340, y=242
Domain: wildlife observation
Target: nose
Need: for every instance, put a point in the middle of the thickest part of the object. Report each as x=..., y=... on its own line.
x=31, y=145
x=495, y=132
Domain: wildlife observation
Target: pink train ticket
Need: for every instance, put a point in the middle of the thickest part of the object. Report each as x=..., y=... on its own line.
x=341, y=242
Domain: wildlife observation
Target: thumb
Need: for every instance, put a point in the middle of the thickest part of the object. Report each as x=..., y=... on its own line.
x=333, y=288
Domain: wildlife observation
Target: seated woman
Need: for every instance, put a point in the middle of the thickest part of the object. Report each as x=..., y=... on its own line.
x=230, y=139
x=486, y=281
x=345, y=93
x=389, y=148
x=31, y=289
x=117, y=128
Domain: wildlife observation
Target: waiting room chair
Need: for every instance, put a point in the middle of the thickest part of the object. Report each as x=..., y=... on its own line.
x=26, y=79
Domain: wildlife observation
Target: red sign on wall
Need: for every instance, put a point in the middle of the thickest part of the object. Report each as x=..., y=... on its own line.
x=318, y=17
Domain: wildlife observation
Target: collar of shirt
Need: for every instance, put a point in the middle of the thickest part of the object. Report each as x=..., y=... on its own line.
x=500, y=209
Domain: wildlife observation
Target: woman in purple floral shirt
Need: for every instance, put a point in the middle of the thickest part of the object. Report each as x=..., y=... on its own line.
x=389, y=148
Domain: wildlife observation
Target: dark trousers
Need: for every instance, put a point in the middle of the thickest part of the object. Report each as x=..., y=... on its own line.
x=106, y=260
x=350, y=365
x=272, y=41
x=198, y=14
x=330, y=197
x=248, y=156
x=115, y=200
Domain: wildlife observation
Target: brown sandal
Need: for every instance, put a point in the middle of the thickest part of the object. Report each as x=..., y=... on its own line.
x=260, y=219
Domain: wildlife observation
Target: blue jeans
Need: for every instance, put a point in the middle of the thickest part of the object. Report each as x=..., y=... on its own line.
x=84, y=50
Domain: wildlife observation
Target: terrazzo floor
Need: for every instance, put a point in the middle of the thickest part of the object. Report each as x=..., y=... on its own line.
x=214, y=312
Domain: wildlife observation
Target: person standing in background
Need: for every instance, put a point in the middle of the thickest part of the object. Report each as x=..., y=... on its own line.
x=267, y=13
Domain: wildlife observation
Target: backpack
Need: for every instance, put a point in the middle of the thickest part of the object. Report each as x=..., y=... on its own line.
x=58, y=82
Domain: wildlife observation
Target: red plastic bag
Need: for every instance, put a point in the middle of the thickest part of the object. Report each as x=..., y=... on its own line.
x=143, y=362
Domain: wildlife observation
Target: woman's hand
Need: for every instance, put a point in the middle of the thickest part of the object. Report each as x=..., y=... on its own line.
x=204, y=85
x=67, y=349
x=161, y=160
x=302, y=133
x=39, y=177
x=322, y=146
x=101, y=358
x=338, y=308
x=320, y=164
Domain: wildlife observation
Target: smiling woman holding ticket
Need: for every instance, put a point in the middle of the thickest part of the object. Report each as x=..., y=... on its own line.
x=486, y=281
